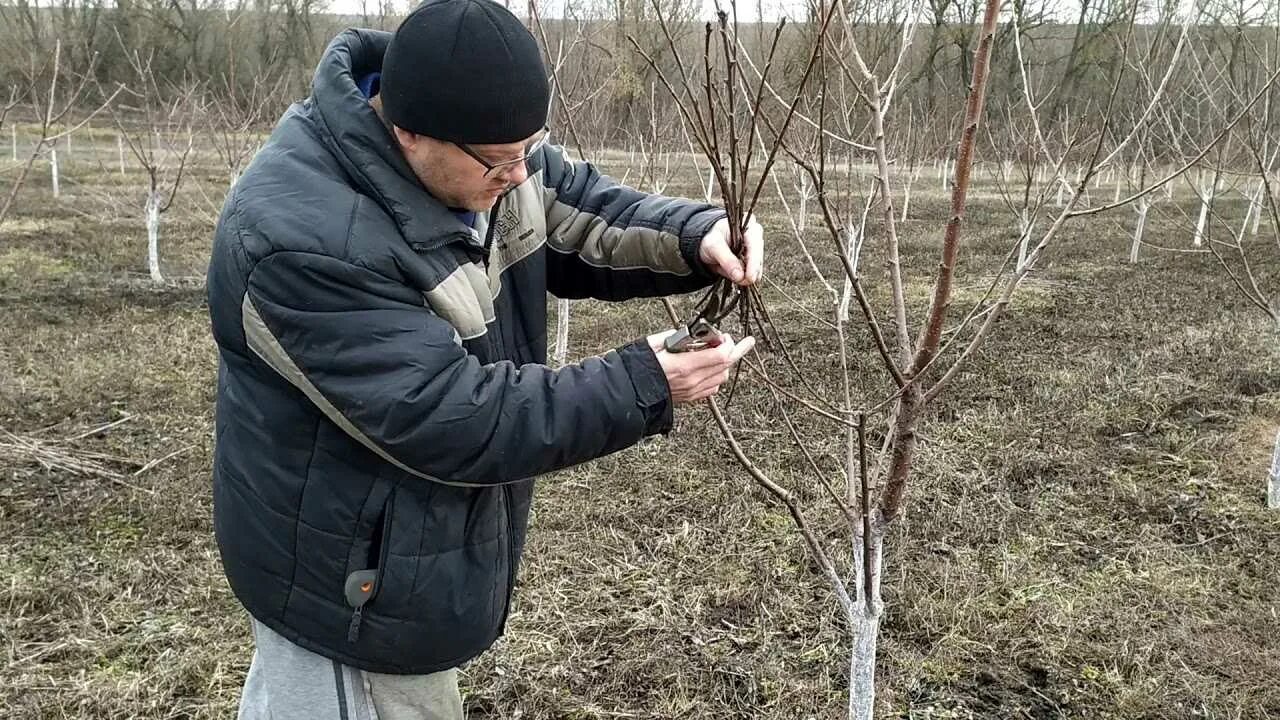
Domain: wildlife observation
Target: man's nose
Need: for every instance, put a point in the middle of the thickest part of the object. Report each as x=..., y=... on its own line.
x=518, y=173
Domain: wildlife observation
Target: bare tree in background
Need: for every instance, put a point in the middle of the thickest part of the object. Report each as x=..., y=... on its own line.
x=160, y=135
x=1231, y=80
x=567, y=111
x=58, y=96
x=234, y=121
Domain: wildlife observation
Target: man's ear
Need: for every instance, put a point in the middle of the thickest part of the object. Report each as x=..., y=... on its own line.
x=408, y=140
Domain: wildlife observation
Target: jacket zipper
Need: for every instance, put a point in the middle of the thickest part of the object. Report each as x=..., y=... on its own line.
x=511, y=558
x=363, y=585
x=488, y=233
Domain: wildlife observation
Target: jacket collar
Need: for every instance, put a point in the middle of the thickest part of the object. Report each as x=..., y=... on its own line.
x=355, y=134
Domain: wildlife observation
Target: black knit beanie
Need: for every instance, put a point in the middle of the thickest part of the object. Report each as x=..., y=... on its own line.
x=465, y=71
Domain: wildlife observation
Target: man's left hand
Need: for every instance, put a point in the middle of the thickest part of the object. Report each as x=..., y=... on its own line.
x=714, y=252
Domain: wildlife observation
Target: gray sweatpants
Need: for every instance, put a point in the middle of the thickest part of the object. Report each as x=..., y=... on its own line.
x=287, y=682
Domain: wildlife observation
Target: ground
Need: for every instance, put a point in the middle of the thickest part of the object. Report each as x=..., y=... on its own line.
x=1085, y=535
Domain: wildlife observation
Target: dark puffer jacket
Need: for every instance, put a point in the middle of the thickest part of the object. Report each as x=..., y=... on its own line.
x=382, y=403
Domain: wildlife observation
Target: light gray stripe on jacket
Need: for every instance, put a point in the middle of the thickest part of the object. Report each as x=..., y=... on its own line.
x=521, y=231
x=265, y=345
x=463, y=299
x=570, y=230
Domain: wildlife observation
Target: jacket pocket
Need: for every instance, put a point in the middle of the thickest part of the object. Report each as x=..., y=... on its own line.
x=367, y=560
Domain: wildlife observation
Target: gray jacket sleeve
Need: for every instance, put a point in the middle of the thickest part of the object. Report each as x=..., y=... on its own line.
x=612, y=242
x=370, y=356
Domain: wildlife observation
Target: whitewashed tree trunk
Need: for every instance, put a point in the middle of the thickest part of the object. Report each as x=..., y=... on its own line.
x=1061, y=199
x=1273, y=482
x=53, y=169
x=120, y=149
x=865, y=632
x=1116, y=199
x=1026, y=224
x=711, y=183
x=562, y=331
x=906, y=195
x=943, y=174
x=845, y=296
x=853, y=246
x=1141, y=207
x=803, y=218
x=1202, y=224
x=1244, y=225
x=153, y=235
x=1256, y=208
x=69, y=154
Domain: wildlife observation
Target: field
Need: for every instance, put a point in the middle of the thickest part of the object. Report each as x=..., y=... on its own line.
x=1086, y=533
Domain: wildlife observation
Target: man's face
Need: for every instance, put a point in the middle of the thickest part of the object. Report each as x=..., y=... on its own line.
x=454, y=177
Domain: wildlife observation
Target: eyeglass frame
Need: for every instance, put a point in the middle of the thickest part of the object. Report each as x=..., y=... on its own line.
x=493, y=169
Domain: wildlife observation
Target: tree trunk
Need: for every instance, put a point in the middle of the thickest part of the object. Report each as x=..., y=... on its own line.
x=803, y=215
x=1025, y=227
x=120, y=149
x=53, y=169
x=1206, y=199
x=1273, y=484
x=1141, y=207
x=562, y=331
x=153, y=235
x=906, y=196
x=1244, y=225
x=851, y=248
x=1203, y=220
x=1256, y=207
x=13, y=132
x=865, y=631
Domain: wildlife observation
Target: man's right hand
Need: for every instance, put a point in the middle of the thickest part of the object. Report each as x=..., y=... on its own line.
x=699, y=374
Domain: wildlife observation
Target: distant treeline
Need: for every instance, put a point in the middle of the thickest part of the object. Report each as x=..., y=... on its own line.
x=236, y=49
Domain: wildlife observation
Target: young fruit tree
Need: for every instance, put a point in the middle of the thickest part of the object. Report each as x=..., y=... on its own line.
x=160, y=135
x=56, y=96
x=1247, y=257
x=843, y=104
x=561, y=101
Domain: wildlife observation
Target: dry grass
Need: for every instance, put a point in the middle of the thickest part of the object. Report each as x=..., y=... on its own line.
x=1085, y=536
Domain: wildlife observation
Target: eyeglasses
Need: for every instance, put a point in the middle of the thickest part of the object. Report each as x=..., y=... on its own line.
x=492, y=170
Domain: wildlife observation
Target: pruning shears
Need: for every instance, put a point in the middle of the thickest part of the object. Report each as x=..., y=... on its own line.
x=697, y=334
x=701, y=332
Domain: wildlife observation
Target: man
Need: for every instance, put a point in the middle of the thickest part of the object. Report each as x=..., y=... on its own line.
x=378, y=295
